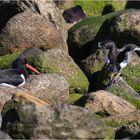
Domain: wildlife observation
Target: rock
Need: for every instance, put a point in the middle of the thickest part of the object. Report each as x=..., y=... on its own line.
x=5, y=95
x=27, y=30
x=127, y=131
x=94, y=62
x=46, y=9
x=122, y=28
x=52, y=88
x=102, y=101
x=131, y=74
x=124, y=117
x=50, y=122
x=122, y=89
x=57, y=61
x=4, y=135
x=82, y=34
x=29, y=98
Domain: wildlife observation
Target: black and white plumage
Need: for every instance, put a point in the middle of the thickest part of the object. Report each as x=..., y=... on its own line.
x=17, y=75
x=118, y=58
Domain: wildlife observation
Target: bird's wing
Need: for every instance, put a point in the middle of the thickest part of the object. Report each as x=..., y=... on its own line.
x=11, y=76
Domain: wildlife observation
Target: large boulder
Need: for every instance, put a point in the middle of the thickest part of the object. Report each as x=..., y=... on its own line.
x=123, y=28
x=125, y=91
x=27, y=30
x=106, y=102
x=24, y=119
x=46, y=9
x=57, y=61
x=80, y=36
x=52, y=88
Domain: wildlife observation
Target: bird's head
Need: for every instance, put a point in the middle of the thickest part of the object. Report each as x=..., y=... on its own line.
x=106, y=44
x=21, y=64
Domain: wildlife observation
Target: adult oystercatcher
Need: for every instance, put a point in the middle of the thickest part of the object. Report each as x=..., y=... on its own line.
x=117, y=58
x=17, y=75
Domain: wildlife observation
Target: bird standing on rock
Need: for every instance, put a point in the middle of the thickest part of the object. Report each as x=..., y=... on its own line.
x=17, y=75
x=117, y=58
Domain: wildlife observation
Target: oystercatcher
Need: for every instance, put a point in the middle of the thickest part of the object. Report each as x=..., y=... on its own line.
x=117, y=58
x=17, y=75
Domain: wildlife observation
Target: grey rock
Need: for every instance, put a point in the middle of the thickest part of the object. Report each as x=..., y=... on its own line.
x=46, y=9
x=56, y=122
x=58, y=61
x=103, y=101
x=52, y=88
x=27, y=30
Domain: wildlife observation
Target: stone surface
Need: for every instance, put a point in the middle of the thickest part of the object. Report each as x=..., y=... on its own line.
x=57, y=61
x=27, y=30
x=52, y=88
x=123, y=28
x=56, y=122
x=102, y=101
x=46, y=9
x=4, y=135
x=81, y=36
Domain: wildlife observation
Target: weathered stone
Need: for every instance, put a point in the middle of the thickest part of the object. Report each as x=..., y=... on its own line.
x=27, y=30
x=4, y=135
x=55, y=122
x=47, y=9
x=127, y=131
x=102, y=101
x=125, y=117
x=122, y=89
x=81, y=35
x=52, y=88
x=57, y=61
x=123, y=28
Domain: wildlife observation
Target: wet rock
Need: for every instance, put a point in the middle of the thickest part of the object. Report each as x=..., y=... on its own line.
x=27, y=30
x=61, y=121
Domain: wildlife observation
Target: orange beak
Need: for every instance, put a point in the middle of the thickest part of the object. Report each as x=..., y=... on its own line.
x=32, y=69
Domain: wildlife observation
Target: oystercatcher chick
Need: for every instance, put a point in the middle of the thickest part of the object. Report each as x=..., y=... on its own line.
x=117, y=58
x=17, y=75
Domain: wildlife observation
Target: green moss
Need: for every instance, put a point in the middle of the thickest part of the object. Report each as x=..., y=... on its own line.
x=6, y=60
x=74, y=97
x=57, y=64
x=132, y=75
x=90, y=26
x=123, y=94
x=95, y=7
